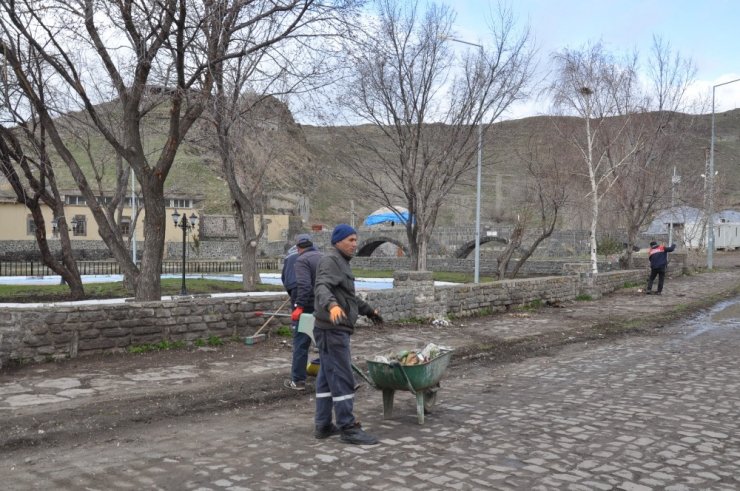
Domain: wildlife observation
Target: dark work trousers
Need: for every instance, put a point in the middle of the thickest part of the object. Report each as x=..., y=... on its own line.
x=301, y=344
x=660, y=273
x=335, y=384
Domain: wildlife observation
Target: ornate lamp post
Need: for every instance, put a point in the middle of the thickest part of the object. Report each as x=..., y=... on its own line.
x=185, y=225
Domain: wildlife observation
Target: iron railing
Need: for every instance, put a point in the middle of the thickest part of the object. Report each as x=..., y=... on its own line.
x=36, y=268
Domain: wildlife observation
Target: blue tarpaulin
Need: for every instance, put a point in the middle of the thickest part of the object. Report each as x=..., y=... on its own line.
x=386, y=215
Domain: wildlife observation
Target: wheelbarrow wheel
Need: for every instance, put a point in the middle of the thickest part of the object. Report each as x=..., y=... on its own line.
x=430, y=398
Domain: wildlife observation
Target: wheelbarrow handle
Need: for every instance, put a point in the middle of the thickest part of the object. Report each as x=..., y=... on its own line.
x=395, y=363
x=362, y=374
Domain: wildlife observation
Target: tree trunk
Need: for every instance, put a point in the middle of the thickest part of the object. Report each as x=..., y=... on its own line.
x=592, y=239
x=248, y=240
x=148, y=284
x=505, y=257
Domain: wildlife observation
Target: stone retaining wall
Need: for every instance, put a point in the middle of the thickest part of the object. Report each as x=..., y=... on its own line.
x=66, y=331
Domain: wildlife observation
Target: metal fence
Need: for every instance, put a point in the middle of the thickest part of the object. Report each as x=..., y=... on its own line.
x=36, y=268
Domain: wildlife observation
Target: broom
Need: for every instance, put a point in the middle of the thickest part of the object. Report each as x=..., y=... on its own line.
x=257, y=337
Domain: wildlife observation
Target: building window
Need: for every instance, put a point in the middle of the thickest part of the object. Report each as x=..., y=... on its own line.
x=180, y=203
x=125, y=225
x=79, y=225
x=75, y=200
x=30, y=225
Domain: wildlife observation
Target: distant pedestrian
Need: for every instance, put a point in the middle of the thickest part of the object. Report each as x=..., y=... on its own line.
x=304, y=271
x=658, y=255
x=336, y=311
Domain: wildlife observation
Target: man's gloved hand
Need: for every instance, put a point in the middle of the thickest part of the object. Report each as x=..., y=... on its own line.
x=296, y=315
x=336, y=314
x=375, y=317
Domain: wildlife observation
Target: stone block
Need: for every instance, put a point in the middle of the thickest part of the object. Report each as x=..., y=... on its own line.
x=146, y=329
x=88, y=334
x=99, y=343
x=115, y=332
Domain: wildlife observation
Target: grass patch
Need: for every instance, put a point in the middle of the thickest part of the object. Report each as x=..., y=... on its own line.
x=94, y=291
x=631, y=284
x=285, y=331
x=451, y=277
x=533, y=305
x=161, y=346
x=584, y=297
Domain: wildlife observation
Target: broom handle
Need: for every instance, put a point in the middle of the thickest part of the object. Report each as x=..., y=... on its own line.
x=272, y=316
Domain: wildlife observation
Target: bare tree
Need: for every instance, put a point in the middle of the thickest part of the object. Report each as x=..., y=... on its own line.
x=544, y=194
x=28, y=166
x=593, y=85
x=659, y=134
x=257, y=143
x=146, y=57
x=424, y=107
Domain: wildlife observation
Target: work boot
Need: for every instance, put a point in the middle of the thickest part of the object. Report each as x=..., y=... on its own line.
x=326, y=431
x=648, y=292
x=357, y=436
x=295, y=385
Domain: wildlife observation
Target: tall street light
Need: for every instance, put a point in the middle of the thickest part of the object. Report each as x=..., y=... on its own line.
x=675, y=179
x=476, y=276
x=185, y=225
x=710, y=186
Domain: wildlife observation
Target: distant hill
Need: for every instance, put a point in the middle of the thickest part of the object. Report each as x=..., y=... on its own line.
x=503, y=148
x=197, y=172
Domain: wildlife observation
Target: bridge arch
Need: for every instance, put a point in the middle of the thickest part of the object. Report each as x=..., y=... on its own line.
x=367, y=246
x=464, y=250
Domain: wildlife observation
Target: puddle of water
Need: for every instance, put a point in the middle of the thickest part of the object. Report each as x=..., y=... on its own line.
x=724, y=314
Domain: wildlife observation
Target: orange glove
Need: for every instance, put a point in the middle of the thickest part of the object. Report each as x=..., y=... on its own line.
x=296, y=315
x=336, y=314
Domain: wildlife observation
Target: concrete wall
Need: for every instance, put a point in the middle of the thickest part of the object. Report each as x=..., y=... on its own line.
x=38, y=333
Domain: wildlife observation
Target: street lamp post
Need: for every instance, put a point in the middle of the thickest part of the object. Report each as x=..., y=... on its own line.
x=185, y=225
x=710, y=186
x=675, y=179
x=476, y=275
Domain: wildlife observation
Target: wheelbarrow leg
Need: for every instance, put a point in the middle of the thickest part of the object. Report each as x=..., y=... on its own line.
x=420, y=406
x=388, y=403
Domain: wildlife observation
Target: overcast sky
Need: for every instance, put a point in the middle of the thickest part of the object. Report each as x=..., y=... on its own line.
x=703, y=30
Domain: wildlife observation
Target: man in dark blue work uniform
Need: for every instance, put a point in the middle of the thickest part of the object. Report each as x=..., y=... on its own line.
x=304, y=272
x=336, y=308
x=658, y=255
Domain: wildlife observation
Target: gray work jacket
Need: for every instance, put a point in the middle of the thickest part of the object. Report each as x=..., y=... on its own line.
x=335, y=283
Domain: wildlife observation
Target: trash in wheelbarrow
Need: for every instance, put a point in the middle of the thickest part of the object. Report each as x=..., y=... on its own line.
x=412, y=357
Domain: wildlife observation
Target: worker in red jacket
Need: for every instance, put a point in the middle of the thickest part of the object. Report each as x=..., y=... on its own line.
x=658, y=255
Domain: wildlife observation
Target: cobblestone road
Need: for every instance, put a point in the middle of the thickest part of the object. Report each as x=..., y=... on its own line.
x=641, y=413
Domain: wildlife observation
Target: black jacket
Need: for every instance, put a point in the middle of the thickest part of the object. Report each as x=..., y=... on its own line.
x=305, y=268
x=659, y=256
x=288, y=275
x=335, y=283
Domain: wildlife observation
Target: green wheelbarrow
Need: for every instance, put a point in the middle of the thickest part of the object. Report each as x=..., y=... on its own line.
x=422, y=380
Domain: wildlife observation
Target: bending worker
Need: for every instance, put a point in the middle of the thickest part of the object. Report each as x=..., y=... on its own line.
x=336, y=309
x=658, y=264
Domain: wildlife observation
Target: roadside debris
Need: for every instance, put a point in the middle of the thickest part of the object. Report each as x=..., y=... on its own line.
x=412, y=357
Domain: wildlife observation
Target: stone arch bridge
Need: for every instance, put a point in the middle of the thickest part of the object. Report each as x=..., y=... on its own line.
x=452, y=242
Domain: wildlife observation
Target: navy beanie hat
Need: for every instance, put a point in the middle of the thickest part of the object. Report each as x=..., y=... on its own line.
x=653, y=244
x=341, y=232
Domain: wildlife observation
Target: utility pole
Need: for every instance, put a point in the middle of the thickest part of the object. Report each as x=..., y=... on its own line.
x=675, y=179
x=476, y=274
